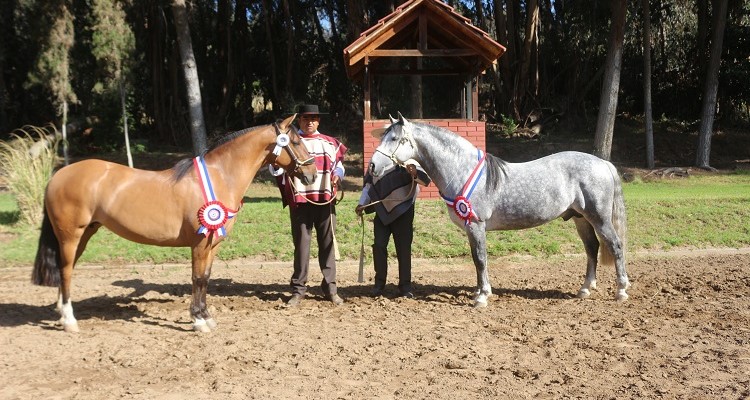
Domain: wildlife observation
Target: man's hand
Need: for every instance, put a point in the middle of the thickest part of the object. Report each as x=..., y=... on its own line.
x=335, y=179
x=412, y=170
x=359, y=210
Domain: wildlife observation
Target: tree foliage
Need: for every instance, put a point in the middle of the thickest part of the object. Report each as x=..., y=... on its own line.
x=257, y=59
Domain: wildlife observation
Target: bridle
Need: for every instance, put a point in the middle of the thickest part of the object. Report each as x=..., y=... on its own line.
x=283, y=141
x=405, y=138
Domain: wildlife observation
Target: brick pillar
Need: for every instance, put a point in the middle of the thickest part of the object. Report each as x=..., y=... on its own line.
x=473, y=131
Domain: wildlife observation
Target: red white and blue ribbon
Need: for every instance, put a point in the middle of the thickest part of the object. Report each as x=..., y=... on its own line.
x=461, y=204
x=213, y=214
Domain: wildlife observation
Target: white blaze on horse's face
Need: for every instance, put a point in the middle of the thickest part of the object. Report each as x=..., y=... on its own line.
x=395, y=147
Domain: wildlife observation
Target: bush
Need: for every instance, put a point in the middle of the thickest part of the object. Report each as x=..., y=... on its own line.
x=26, y=165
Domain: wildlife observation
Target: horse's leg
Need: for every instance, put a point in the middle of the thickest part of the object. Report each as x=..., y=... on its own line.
x=614, y=254
x=68, y=249
x=591, y=245
x=87, y=234
x=478, y=242
x=202, y=255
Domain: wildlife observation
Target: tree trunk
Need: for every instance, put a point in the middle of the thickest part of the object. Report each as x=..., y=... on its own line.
x=503, y=69
x=271, y=51
x=512, y=55
x=190, y=70
x=530, y=39
x=611, y=86
x=125, y=122
x=156, y=23
x=64, y=129
x=647, y=112
x=3, y=91
x=711, y=86
x=481, y=19
x=226, y=58
x=355, y=19
x=701, y=36
x=289, y=76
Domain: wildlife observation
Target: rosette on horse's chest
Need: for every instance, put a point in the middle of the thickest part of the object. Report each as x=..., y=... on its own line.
x=213, y=215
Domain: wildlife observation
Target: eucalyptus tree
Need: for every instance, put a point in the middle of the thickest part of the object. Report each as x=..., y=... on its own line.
x=190, y=73
x=647, y=110
x=711, y=85
x=611, y=86
x=113, y=44
x=53, y=66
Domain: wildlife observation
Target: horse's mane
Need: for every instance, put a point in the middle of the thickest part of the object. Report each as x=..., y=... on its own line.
x=495, y=171
x=495, y=165
x=183, y=166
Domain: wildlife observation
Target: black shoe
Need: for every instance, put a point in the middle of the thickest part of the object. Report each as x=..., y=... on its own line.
x=326, y=288
x=295, y=300
x=377, y=291
x=335, y=299
x=407, y=295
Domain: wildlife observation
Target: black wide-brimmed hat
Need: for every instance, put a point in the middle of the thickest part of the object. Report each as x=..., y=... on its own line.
x=309, y=109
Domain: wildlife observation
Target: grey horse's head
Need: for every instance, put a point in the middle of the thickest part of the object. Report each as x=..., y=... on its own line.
x=396, y=146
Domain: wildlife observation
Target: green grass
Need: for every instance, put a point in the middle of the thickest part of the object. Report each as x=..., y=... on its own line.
x=698, y=212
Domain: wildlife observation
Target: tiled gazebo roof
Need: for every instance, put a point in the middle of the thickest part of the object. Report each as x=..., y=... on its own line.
x=423, y=28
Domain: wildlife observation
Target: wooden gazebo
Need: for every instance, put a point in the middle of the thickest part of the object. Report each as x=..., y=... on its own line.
x=423, y=39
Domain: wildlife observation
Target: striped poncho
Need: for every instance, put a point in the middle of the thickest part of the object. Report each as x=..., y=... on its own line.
x=329, y=156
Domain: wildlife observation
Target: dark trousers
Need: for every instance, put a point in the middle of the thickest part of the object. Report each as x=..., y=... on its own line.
x=403, y=234
x=304, y=218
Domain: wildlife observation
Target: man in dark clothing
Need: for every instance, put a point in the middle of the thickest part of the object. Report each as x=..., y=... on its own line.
x=392, y=198
x=312, y=206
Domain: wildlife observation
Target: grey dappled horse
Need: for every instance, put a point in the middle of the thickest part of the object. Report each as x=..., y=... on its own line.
x=486, y=193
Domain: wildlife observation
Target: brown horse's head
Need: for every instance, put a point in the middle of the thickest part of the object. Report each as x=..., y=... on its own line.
x=294, y=156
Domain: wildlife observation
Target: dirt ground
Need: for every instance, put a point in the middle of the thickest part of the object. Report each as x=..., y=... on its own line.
x=684, y=333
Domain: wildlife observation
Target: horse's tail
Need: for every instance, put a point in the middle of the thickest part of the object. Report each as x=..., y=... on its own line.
x=619, y=218
x=47, y=263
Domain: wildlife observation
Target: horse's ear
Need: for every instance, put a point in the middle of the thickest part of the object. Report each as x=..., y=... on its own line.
x=401, y=118
x=393, y=120
x=286, y=122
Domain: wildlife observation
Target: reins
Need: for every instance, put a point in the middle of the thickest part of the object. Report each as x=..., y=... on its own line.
x=329, y=201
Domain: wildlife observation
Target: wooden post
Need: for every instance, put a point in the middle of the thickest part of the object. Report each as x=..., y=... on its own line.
x=367, y=83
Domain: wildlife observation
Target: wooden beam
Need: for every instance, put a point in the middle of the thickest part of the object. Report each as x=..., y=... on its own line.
x=423, y=53
x=408, y=72
x=389, y=30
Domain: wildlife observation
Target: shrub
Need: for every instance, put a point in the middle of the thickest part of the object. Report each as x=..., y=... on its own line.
x=26, y=165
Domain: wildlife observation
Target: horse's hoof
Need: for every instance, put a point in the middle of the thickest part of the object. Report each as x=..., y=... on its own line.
x=621, y=297
x=71, y=328
x=202, y=325
x=211, y=323
x=480, y=304
x=583, y=294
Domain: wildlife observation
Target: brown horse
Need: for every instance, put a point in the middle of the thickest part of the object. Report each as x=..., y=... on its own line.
x=158, y=207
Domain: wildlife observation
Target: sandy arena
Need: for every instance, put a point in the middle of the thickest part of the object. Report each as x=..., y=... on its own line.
x=684, y=333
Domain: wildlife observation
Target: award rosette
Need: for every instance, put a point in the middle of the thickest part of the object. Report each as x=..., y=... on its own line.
x=213, y=215
x=461, y=204
x=462, y=207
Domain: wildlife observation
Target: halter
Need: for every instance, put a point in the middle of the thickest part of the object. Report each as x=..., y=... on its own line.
x=406, y=137
x=283, y=141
